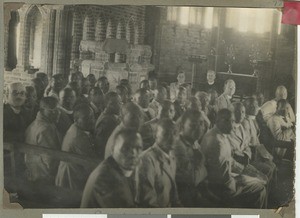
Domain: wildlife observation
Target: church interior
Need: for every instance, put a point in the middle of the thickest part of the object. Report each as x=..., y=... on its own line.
x=125, y=42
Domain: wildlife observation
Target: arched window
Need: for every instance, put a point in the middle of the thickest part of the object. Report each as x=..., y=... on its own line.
x=13, y=44
x=111, y=29
x=32, y=48
x=88, y=28
x=130, y=31
x=100, y=32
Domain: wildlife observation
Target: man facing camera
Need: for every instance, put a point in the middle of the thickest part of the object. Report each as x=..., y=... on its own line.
x=232, y=189
x=78, y=140
x=157, y=187
x=111, y=183
x=43, y=132
x=224, y=100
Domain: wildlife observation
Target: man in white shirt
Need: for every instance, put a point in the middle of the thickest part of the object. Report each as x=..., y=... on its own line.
x=269, y=108
x=224, y=100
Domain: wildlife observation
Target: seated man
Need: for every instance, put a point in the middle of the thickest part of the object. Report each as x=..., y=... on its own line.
x=190, y=172
x=281, y=126
x=111, y=183
x=159, y=97
x=57, y=83
x=269, y=108
x=103, y=84
x=261, y=159
x=142, y=98
x=43, y=132
x=131, y=118
x=67, y=99
x=107, y=121
x=156, y=183
x=232, y=189
x=240, y=145
x=123, y=93
x=224, y=100
x=78, y=140
x=15, y=117
x=174, y=87
x=96, y=99
x=180, y=102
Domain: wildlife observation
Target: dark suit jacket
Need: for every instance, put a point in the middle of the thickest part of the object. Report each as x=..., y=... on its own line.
x=107, y=187
x=14, y=125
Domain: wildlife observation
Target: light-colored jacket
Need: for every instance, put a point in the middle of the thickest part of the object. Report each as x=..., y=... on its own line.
x=42, y=132
x=268, y=109
x=157, y=187
x=223, y=102
x=281, y=129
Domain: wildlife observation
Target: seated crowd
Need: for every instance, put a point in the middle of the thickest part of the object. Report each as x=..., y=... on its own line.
x=160, y=146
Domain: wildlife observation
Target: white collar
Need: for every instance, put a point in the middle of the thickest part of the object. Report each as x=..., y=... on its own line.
x=251, y=117
x=16, y=111
x=126, y=173
x=210, y=83
x=236, y=125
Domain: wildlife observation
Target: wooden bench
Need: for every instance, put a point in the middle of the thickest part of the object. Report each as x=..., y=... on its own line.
x=35, y=195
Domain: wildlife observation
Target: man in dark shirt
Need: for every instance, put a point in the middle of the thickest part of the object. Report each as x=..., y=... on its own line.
x=111, y=184
x=107, y=121
x=15, y=117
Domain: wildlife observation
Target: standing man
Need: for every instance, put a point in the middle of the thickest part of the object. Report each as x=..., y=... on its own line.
x=78, y=140
x=111, y=184
x=232, y=189
x=211, y=83
x=43, y=132
x=224, y=100
x=157, y=186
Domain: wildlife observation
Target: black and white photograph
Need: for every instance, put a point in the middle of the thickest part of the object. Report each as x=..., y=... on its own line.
x=148, y=106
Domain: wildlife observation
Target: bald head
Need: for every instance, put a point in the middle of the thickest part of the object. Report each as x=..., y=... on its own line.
x=16, y=95
x=132, y=116
x=229, y=87
x=127, y=149
x=281, y=93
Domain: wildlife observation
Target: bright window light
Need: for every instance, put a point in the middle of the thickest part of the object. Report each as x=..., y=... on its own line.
x=192, y=19
x=208, y=18
x=184, y=15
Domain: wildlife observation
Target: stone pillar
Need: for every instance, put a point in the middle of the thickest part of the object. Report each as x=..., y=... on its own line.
x=76, y=38
x=121, y=34
x=59, y=40
x=49, y=19
x=7, y=9
x=23, y=53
